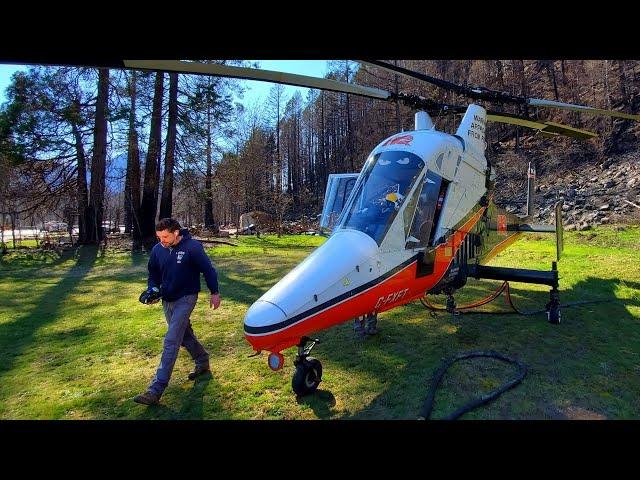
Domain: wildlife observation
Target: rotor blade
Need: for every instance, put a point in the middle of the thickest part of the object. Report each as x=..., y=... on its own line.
x=553, y=128
x=547, y=128
x=481, y=93
x=215, y=69
x=420, y=103
x=477, y=93
x=536, y=102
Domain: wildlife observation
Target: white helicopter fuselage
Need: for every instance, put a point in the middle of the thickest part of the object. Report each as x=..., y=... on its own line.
x=357, y=272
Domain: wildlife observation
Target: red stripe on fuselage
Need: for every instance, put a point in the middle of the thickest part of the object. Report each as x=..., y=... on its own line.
x=399, y=289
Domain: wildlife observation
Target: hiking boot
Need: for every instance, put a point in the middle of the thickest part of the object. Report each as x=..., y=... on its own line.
x=199, y=370
x=147, y=398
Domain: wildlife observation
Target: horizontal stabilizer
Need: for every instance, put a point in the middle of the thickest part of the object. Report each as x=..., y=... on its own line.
x=540, y=228
x=540, y=277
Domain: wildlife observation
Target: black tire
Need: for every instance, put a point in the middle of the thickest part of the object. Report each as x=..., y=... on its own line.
x=554, y=315
x=307, y=377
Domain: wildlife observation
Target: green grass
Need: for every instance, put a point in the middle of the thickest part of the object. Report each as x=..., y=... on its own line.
x=20, y=243
x=76, y=344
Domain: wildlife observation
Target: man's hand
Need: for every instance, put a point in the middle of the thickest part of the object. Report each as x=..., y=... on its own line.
x=150, y=296
x=215, y=300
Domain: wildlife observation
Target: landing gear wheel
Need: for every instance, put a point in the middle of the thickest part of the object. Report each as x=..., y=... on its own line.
x=553, y=307
x=307, y=377
x=553, y=315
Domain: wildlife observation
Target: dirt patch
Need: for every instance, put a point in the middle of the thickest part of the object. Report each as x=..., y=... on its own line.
x=578, y=413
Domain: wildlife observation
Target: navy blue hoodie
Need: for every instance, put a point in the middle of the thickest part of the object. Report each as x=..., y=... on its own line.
x=177, y=269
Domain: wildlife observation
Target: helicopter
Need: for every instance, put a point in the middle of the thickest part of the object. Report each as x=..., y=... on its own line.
x=419, y=218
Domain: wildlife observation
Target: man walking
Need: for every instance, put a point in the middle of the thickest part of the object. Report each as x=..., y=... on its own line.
x=174, y=268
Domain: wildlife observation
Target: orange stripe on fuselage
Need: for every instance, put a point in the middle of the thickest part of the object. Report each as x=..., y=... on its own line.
x=387, y=294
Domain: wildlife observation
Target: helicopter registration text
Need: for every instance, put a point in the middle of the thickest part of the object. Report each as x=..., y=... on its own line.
x=391, y=298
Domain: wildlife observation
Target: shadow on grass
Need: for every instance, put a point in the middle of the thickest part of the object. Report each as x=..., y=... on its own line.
x=72, y=335
x=261, y=274
x=23, y=262
x=139, y=258
x=321, y=402
x=192, y=405
x=17, y=336
x=242, y=292
x=574, y=366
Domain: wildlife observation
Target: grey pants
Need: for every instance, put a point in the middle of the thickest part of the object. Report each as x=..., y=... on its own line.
x=178, y=334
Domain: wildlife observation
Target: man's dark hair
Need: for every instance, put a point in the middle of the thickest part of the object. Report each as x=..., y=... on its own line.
x=168, y=224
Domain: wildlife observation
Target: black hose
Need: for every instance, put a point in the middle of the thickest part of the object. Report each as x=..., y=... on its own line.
x=504, y=288
x=437, y=377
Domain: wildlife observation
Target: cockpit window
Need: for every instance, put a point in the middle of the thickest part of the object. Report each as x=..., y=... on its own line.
x=385, y=182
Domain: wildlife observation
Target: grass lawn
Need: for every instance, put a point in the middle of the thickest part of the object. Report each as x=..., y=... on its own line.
x=76, y=344
x=29, y=243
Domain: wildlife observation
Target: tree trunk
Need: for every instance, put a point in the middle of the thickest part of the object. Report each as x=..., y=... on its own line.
x=83, y=195
x=167, y=185
x=499, y=74
x=622, y=79
x=519, y=73
x=552, y=73
x=128, y=216
x=209, y=221
x=398, y=125
x=322, y=163
x=13, y=228
x=132, y=194
x=278, y=166
x=152, y=168
x=99, y=162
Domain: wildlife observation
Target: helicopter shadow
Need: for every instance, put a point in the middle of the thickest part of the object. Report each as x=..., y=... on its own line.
x=567, y=363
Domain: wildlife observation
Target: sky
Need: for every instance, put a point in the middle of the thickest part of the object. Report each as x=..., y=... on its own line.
x=256, y=91
x=5, y=78
x=260, y=90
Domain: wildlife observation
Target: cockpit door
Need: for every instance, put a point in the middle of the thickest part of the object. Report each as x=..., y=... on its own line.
x=339, y=187
x=427, y=211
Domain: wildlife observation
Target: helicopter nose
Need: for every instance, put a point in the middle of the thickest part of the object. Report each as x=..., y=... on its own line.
x=263, y=314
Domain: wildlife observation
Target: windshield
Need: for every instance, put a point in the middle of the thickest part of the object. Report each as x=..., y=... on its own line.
x=386, y=180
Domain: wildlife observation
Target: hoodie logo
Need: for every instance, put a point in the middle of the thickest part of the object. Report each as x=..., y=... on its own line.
x=180, y=255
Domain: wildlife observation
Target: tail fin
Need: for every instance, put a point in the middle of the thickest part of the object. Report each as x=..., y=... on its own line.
x=472, y=129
